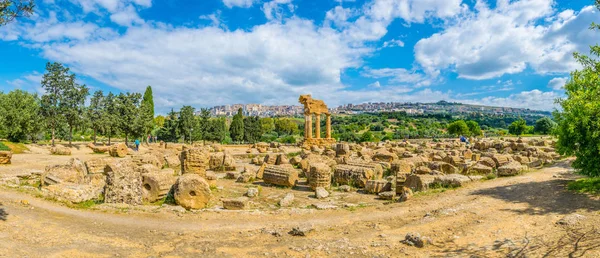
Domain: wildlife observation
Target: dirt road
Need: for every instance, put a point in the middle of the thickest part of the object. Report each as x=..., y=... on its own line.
x=514, y=216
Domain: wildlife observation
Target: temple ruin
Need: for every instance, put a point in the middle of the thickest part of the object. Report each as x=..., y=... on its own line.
x=317, y=108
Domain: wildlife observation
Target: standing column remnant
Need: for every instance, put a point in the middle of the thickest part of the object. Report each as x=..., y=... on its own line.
x=318, y=126
x=328, y=127
x=310, y=131
x=305, y=126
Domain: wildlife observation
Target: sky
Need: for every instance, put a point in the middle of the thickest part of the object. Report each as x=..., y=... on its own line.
x=515, y=53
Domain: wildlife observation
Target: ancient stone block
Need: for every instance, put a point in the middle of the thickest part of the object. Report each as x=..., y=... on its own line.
x=5, y=157
x=59, y=150
x=352, y=175
x=280, y=175
x=240, y=203
x=376, y=167
x=195, y=161
x=72, y=172
x=377, y=186
x=192, y=191
x=319, y=176
x=123, y=183
x=419, y=182
x=157, y=185
x=511, y=169
x=118, y=150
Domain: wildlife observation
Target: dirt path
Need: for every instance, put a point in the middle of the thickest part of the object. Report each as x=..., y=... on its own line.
x=507, y=216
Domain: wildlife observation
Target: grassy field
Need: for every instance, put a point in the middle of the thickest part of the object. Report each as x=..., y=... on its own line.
x=586, y=185
x=16, y=148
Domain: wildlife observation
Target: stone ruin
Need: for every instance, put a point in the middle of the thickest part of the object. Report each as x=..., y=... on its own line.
x=316, y=108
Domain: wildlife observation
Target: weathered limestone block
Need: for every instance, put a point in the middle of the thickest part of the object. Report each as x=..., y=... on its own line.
x=282, y=159
x=423, y=170
x=511, y=169
x=142, y=159
x=468, y=154
x=295, y=160
x=284, y=175
x=147, y=168
x=384, y=155
x=378, y=186
x=118, y=150
x=157, y=185
x=342, y=149
x=444, y=167
x=71, y=192
x=352, y=175
x=476, y=157
x=480, y=169
x=123, y=183
x=173, y=161
x=451, y=180
x=376, y=167
x=59, y=150
x=192, y=191
x=216, y=161
x=72, y=172
x=453, y=160
x=501, y=160
x=418, y=182
x=402, y=166
x=319, y=176
x=100, y=149
x=195, y=161
x=96, y=166
x=488, y=162
x=5, y=157
x=240, y=203
x=271, y=159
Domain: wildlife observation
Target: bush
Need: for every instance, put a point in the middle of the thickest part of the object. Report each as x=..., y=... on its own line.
x=586, y=185
x=288, y=139
x=3, y=147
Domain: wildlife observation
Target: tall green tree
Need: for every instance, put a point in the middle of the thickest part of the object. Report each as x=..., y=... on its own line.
x=518, y=127
x=110, y=116
x=267, y=125
x=169, y=132
x=95, y=112
x=147, y=112
x=203, y=124
x=72, y=105
x=186, y=122
x=56, y=82
x=544, y=125
x=236, y=129
x=127, y=106
x=252, y=129
x=459, y=127
x=20, y=115
x=578, y=128
x=11, y=9
x=286, y=126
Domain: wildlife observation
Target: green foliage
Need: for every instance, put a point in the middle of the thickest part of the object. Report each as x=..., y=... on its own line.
x=236, y=129
x=110, y=117
x=252, y=129
x=19, y=116
x=288, y=139
x=3, y=147
x=147, y=112
x=64, y=99
x=286, y=126
x=367, y=137
x=474, y=128
x=586, y=185
x=127, y=114
x=95, y=113
x=267, y=125
x=216, y=130
x=578, y=128
x=186, y=122
x=159, y=121
x=169, y=132
x=11, y=9
x=518, y=127
x=544, y=125
x=459, y=128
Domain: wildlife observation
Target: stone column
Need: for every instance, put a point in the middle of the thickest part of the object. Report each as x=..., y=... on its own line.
x=328, y=126
x=309, y=123
x=305, y=126
x=318, y=126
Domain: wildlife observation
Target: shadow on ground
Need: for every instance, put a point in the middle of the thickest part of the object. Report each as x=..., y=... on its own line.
x=544, y=197
x=3, y=213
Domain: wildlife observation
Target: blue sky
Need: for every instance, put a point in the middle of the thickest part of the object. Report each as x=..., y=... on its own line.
x=214, y=52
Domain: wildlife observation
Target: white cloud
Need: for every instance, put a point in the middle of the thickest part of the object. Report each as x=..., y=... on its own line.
x=238, y=3
x=398, y=75
x=374, y=85
x=275, y=9
x=393, y=43
x=487, y=43
x=126, y=17
x=535, y=99
x=111, y=6
x=558, y=83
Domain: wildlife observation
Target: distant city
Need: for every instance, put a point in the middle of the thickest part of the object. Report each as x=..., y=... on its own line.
x=440, y=107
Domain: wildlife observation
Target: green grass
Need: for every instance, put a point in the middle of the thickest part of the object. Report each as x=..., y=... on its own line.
x=586, y=185
x=293, y=154
x=3, y=147
x=17, y=148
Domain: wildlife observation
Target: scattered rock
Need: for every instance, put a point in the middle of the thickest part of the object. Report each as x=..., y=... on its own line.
x=301, y=230
x=287, y=200
x=389, y=195
x=321, y=193
x=235, y=204
x=345, y=188
x=415, y=239
x=324, y=206
x=252, y=192
x=571, y=219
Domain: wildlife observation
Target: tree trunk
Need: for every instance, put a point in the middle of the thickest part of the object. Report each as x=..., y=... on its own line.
x=126, y=140
x=70, y=134
x=53, y=136
x=109, y=139
x=94, y=136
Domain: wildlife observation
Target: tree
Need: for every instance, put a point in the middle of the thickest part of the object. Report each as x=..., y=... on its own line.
x=236, y=129
x=159, y=121
x=169, y=132
x=20, y=115
x=518, y=127
x=458, y=128
x=110, y=117
x=203, y=123
x=474, y=128
x=11, y=9
x=127, y=106
x=544, y=125
x=147, y=112
x=55, y=82
x=267, y=125
x=579, y=122
x=95, y=112
x=252, y=129
x=186, y=122
x=72, y=105
x=286, y=126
